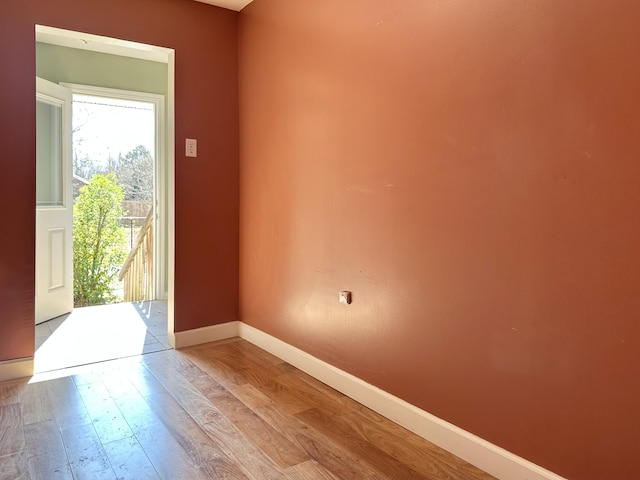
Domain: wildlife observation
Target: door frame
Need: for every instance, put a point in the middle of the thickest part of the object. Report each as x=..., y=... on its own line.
x=115, y=46
x=159, y=176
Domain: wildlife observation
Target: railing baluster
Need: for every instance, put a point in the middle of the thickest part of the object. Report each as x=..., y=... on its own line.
x=137, y=271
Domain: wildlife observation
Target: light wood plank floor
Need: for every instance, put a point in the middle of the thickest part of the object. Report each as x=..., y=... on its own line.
x=223, y=410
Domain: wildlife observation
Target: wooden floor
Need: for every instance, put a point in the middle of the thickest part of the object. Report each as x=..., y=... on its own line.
x=224, y=410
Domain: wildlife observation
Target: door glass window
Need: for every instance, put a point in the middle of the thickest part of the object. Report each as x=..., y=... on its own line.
x=49, y=160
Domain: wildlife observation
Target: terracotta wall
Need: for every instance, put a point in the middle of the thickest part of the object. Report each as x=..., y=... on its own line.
x=471, y=171
x=205, y=41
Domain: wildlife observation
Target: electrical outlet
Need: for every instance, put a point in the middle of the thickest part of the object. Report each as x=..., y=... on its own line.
x=191, y=147
x=345, y=297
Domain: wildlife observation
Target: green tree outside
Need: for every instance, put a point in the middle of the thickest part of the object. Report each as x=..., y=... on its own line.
x=99, y=244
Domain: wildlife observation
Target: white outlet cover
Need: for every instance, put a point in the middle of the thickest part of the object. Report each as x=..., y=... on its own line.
x=345, y=297
x=191, y=147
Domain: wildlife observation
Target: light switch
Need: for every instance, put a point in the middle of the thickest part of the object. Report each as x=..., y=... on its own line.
x=191, y=147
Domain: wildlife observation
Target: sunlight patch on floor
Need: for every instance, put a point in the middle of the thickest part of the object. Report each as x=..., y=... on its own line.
x=95, y=334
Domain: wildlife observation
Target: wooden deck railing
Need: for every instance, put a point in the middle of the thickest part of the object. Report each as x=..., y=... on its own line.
x=137, y=271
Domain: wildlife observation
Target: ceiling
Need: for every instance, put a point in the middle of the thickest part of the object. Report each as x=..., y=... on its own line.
x=236, y=5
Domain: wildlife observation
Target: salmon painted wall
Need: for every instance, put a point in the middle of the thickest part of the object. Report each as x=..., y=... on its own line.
x=471, y=172
x=206, y=188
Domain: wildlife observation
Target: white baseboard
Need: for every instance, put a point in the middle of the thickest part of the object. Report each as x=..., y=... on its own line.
x=12, y=369
x=492, y=459
x=481, y=453
x=204, y=335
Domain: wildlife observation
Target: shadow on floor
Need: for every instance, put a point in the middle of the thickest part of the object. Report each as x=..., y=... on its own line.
x=105, y=332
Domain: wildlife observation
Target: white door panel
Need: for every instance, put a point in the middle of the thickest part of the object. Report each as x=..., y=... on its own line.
x=54, y=204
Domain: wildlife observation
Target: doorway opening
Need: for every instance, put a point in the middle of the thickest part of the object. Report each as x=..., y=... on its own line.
x=143, y=165
x=117, y=153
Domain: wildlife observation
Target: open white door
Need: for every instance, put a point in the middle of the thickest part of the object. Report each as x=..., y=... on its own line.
x=54, y=204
